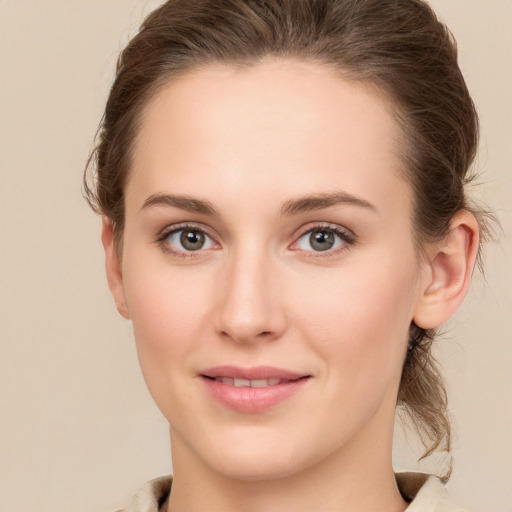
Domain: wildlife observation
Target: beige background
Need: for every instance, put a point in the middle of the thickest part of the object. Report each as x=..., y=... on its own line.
x=78, y=430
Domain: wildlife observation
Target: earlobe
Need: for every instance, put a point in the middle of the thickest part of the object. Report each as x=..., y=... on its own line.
x=113, y=268
x=450, y=265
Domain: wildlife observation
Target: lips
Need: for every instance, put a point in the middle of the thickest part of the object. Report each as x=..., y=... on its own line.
x=252, y=390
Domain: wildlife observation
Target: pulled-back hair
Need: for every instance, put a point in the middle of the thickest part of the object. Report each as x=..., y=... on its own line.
x=399, y=46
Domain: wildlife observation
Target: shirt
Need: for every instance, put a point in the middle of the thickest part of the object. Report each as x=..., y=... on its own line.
x=425, y=493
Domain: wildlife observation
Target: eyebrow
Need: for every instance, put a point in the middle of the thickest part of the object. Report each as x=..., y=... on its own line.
x=321, y=201
x=182, y=202
x=289, y=208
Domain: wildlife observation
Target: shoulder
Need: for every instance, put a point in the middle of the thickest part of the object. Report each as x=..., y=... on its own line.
x=426, y=493
x=150, y=496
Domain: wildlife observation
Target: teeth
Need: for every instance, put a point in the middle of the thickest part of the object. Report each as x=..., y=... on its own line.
x=259, y=383
x=245, y=383
x=241, y=383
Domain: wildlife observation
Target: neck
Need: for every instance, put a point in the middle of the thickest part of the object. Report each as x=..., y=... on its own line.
x=357, y=478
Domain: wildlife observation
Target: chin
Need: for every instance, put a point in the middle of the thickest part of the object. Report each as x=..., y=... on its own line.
x=248, y=454
x=258, y=468
x=262, y=455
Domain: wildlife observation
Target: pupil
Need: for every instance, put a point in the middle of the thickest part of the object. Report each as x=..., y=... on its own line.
x=321, y=240
x=192, y=240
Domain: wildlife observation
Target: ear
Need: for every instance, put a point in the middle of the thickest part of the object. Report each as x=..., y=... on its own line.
x=449, y=268
x=113, y=268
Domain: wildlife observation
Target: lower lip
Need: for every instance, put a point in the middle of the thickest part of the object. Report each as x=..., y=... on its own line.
x=252, y=400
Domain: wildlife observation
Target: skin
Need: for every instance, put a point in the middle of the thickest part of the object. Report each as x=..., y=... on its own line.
x=248, y=142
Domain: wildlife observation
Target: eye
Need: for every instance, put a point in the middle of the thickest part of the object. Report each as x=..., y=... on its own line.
x=186, y=239
x=322, y=239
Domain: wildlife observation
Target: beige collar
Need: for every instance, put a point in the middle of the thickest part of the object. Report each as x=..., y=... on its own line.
x=424, y=492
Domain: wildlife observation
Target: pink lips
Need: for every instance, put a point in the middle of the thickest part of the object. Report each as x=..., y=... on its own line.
x=252, y=390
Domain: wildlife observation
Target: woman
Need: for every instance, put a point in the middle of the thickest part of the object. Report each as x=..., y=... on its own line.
x=285, y=223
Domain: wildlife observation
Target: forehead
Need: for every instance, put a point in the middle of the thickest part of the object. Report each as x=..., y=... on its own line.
x=278, y=127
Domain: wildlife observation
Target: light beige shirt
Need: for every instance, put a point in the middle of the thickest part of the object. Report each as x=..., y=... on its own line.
x=425, y=494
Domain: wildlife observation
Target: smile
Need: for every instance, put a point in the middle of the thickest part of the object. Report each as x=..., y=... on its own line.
x=252, y=390
x=244, y=383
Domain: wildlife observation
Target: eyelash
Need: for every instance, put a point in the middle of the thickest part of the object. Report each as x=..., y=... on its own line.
x=166, y=248
x=346, y=237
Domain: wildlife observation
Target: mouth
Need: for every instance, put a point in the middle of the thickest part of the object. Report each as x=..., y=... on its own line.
x=252, y=390
x=252, y=383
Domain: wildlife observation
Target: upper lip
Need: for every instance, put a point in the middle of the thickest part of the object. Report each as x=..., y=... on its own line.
x=254, y=373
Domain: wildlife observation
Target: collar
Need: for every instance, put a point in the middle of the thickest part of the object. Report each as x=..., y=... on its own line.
x=425, y=493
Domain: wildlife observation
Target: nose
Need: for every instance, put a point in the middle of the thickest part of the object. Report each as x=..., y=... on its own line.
x=250, y=305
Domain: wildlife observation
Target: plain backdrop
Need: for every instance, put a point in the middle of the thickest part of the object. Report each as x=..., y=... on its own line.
x=78, y=430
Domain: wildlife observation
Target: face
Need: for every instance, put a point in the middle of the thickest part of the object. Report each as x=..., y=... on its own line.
x=269, y=266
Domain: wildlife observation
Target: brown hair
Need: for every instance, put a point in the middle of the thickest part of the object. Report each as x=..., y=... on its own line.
x=397, y=45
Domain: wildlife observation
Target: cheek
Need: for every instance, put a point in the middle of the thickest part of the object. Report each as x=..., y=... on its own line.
x=360, y=317
x=162, y=313
x=168, y=311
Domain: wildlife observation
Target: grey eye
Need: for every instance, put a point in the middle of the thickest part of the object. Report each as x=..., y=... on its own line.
x=321, y=240
x=192, y=240
x=189, y=240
